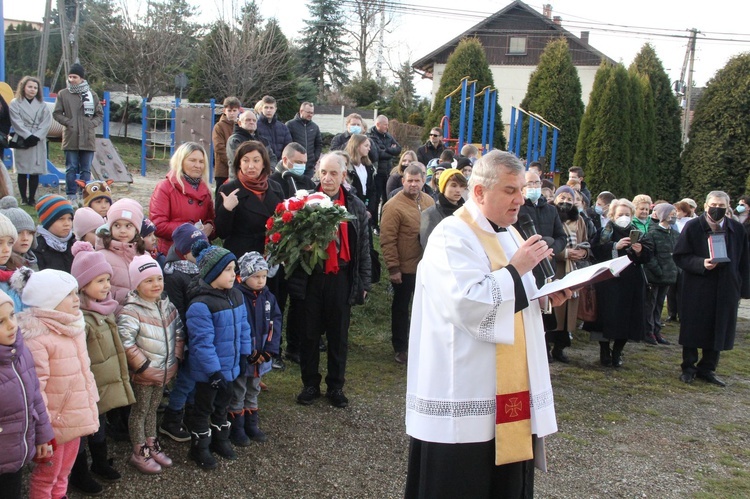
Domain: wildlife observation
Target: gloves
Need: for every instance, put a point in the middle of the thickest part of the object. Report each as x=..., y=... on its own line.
x=216, y=380
x=254, y=357
x=243, y=365
x=265, y=357
x=31, y=140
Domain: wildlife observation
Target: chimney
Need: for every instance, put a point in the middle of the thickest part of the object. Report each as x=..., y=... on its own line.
x=585, y=37
x=547, y=10
x=557, y=20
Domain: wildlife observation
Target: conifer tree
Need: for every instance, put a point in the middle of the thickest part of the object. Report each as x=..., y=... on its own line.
x=469, y=60
x=554, y=92
x=323, y=53
x=717, y=156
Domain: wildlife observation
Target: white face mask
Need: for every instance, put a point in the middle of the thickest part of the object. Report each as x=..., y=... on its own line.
x=533, y=193
x=355, y=129
x=298, y=168
x=622, y=221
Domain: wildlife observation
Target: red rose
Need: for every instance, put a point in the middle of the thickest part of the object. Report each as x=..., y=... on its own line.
x=269, y=223
x=287, y=217
x=296, y=205
x=279, y=207
x=275, y=237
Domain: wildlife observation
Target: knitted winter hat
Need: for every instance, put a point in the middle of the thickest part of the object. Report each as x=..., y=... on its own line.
x=185, y=236
x=251, y=263
x=44, y=289
x=4, y=298
x=50, y=207
x=96, y=189
x=446, y=176
x=7, y=228
x=87, y=263
x=212, y=260
x=125, y=209
x=86, y=220
x=462, y=162
x=21, y=220
x=662, y=211
x=147, y=227
x=141, y=268
x=565, y=188
x=77, y=69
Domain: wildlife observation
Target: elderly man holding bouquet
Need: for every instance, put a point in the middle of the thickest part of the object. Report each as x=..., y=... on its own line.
x=329, y=274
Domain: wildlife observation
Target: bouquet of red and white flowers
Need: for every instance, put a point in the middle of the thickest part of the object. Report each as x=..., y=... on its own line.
x=301, y=229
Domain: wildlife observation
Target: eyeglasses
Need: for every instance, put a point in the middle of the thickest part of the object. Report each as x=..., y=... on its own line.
x=534, y=184
x=434, y=135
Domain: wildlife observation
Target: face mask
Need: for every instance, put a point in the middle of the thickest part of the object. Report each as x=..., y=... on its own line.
x=533, y=194
x=740, y=208
x=564, y=207
x=580, y=209
x=622, y=221
x=467, y=177
x=355, y=129
x=716, y=213
x=298, y=168
x=598, y=209
x=672, y=220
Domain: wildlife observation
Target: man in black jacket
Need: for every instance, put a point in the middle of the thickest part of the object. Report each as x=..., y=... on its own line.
x=330, y=291
x=388, y=149
x=245, y=129
x=307, y=134
x=432, y=148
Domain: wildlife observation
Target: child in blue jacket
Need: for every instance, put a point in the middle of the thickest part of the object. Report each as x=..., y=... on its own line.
x=265, y=318
x=220, y=342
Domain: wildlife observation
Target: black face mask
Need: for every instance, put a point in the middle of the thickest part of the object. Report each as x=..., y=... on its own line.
x=567, y=211
x=716, y=213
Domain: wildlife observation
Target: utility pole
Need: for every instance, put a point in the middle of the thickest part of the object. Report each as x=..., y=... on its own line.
x=379, y=63
x=63, y=15
x=689, y=90
x=41, y=68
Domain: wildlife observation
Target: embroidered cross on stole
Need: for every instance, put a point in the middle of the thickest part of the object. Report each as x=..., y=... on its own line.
x=513, y=398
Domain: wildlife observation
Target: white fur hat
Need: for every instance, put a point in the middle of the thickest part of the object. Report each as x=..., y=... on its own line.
x=44, y=289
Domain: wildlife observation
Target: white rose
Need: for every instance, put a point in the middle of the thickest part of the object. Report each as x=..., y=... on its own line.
x=301, y=194
x=326, y=203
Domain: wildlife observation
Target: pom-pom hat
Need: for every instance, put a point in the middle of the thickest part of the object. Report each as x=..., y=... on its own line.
x=88, y=264
x=50, y=207
x=21, y=220
x=7, y=229
x=44, y=289
x=185, y=236
x=212, y=260
x=86, y=220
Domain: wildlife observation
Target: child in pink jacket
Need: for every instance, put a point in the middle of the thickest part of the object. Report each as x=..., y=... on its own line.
x=120, y=242
x=53, y=329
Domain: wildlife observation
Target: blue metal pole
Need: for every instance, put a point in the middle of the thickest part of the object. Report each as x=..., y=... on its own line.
x=462, y=117
x=470, y=128
x=535, y=153
x=512, y=128
x=172, y=124
x=543, y=151
x=530, y=141
x=493, y=101
x=144, y=127
x=519, y=131
x=554, y=150
x=105, y=120
x=485, y=121
x=211, y=148
x=447, y=125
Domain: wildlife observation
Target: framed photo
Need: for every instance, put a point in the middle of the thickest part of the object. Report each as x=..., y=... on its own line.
x=717, y=247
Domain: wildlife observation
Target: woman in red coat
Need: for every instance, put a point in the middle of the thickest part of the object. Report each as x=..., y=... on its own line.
x=184, y=196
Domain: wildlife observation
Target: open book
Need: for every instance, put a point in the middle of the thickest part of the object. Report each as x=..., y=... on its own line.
x=587, y=275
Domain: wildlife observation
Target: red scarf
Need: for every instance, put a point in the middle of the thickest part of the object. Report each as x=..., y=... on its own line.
x=332, y=263
x=257, y=186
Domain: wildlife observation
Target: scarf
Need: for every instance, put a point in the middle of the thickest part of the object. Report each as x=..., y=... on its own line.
x=193, y=182
x=82, y=89
x=447, y=207
x=105, y=307
x=59, y=244
x=332, y=263
x=60, y=322
x=5, y=274
x=258, y=185
x=513, y=394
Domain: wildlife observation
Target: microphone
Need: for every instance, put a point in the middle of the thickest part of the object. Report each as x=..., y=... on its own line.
x=289, y=176
x=528, y=229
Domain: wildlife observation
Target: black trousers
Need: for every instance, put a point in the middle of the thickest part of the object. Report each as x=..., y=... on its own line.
x=381, y=193
x=209, y=404
x=10, y=484
x=707, y=364
x=327, y=311
x=674, y=297
x=654, y=306
x=402, y=295
x=465, y=470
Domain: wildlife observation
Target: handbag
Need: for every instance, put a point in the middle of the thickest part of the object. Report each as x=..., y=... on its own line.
x=17, y=142
x=587, y=309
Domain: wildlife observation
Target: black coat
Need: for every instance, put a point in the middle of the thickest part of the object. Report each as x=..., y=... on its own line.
x=708, y=310
x=359, y=268
x=307, y=134
x=291, y=183
x=48, y=258
x=238, y=137
x=427, y=152
x=370, y=200
x=621, y=302
x=387, y=148
x=338, y=143
x=275, y=132
x=244, y=228
x=548, y=225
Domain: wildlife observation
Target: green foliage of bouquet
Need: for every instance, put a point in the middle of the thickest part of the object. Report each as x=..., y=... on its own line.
x=301, y=229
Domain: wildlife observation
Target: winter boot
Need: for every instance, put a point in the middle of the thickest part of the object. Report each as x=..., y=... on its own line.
x=237, y=433
x=154, y=448
x=251, y=426
x=220, y=441
x=199, y=452
x=172, y=426
x=80, y=476
x=617, y=348
x=142, y=461
x=605, y=354
x=100, y=465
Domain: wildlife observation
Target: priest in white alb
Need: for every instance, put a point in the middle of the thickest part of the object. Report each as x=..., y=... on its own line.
x=478, y=398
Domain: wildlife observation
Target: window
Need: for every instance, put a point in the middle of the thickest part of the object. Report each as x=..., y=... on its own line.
x=517, y=45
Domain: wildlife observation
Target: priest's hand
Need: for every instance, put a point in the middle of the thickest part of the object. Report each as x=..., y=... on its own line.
x=529, y=254
x=559, y=297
